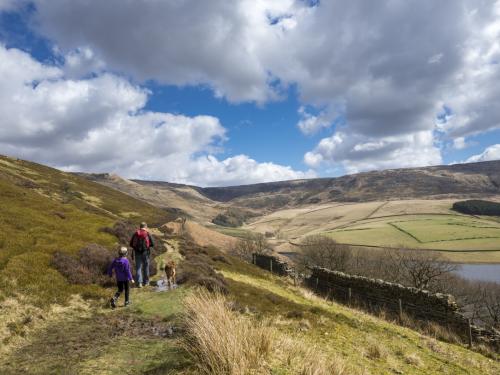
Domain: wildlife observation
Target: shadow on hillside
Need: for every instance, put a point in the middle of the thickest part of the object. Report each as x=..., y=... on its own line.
x=113, y=342
x=265, y=302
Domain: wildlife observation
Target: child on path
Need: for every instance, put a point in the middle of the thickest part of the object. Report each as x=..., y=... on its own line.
x=123, y=276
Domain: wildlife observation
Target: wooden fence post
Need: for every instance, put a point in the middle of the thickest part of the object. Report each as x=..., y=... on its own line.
x=349, y=296
x=469, y=332
x=254, y=259
x=317, y=283
x=400, y=303
x=271, y=265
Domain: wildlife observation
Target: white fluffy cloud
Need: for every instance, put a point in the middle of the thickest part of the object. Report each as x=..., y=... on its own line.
x=218, y=43
x=359, y=153
x=473, y=93
x=383, y=70
x=98, y=124
x=386, y=68
x=490, y=153
x=310, y=124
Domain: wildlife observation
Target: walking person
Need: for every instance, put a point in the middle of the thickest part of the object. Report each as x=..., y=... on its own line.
x=121, y=266
x=142, y=242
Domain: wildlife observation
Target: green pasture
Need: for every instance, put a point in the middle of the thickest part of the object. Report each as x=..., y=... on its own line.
x=233, y=232
x=443, y=232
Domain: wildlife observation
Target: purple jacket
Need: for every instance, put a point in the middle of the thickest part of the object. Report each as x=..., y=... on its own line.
x=122, y=269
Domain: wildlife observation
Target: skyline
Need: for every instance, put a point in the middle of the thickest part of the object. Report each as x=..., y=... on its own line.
x=219, y=93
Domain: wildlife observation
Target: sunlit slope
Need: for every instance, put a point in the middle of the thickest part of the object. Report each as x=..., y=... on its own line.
x=44, y=210
x=421, y=224
x=362, y=343
x=135, y=340
x=184, y=198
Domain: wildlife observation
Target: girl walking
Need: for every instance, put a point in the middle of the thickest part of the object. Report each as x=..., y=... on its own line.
x=123, y=275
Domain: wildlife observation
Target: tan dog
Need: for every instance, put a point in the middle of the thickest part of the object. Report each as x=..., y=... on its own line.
x=170, y=273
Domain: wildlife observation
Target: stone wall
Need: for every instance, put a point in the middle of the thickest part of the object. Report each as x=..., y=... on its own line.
x=398, y=299
x=393, y=298
x=272, y=264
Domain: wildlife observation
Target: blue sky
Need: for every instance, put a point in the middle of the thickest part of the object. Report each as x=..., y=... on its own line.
x=222, y=93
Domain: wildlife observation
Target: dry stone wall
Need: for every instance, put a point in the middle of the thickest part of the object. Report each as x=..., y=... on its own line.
x=382, y=295
x=398, y=299
x=272, y=264
x=440, y=308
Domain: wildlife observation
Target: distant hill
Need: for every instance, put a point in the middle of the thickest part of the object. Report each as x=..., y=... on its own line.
x=185, y=199
x=472, y=179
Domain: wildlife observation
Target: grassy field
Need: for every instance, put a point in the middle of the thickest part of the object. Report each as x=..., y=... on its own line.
x=444, y=232
x=233, y=232
x=420, y=224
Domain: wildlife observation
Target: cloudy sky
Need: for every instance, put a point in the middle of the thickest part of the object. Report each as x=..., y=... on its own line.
x=230, y=92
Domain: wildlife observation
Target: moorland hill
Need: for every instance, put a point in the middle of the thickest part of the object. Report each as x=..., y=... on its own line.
x=53, y=323
x=471, y=180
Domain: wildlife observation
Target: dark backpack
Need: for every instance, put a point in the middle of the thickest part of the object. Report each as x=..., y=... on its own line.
x=140, y=243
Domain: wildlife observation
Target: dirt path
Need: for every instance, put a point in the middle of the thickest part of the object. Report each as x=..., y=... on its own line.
x=90, y=338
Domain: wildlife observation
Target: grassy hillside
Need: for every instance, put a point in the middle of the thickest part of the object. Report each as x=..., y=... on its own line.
x=45, y=210
x=184, y=198
x=48, y=326
x=306, y=332
x=420, y=224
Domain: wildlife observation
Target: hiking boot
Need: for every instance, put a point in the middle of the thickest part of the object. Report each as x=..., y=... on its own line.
x=146, y=283
x=127, y=303
x=112, y=303
x=139, y=285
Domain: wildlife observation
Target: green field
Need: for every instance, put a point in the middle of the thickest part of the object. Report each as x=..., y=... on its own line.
x=444, y=232
x=233, y=232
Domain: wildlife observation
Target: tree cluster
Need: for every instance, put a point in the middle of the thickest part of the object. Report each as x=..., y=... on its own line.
x=477, y=207
x=255, y=243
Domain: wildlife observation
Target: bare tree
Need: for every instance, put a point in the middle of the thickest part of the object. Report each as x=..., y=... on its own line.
x=322, y=251
x=419, y=268
x=489, y=296
x=253, y=243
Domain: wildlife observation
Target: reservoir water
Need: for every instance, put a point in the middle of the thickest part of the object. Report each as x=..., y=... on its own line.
x=481, y=272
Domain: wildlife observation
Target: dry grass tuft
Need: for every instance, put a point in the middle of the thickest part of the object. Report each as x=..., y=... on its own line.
x=220, y=340
x=306, y=359
x=413, y=359
x=374, y=350
x=440, y=333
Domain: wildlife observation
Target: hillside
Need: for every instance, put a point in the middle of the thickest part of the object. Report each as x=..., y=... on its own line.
x=44, y=211
x=473, y=179
x=203, y=204
x=307, y=334
x=428, y=224
x=49, y=325
x=185, y=199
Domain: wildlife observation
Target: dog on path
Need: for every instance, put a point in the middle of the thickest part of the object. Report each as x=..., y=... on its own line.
x=170, y=273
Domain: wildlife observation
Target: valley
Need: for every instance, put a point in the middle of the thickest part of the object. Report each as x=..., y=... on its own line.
x=66, y=325
x=409, y=208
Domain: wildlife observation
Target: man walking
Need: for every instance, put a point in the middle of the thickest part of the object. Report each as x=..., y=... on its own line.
x=142, y=242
